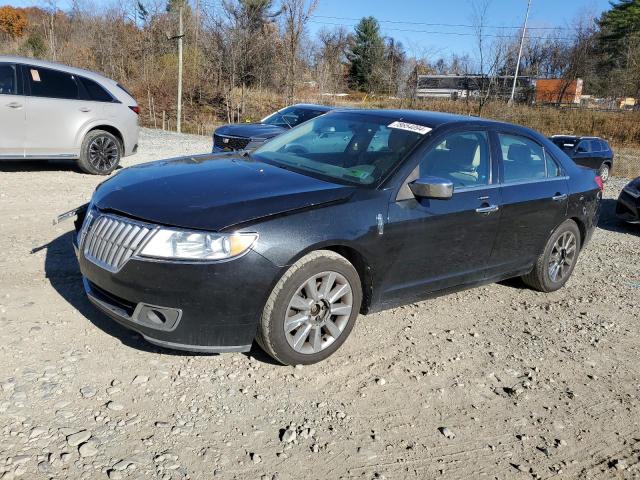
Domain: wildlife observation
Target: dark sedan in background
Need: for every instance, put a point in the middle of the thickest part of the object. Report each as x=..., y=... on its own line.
x=352, y=212
x=628, y=206
x=590, y=152
x=249, y=136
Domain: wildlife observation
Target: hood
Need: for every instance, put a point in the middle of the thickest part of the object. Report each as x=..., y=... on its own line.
x=250, y=130
x=212, y=192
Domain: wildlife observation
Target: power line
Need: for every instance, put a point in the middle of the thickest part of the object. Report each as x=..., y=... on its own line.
x=455, y=25
x=460, y=34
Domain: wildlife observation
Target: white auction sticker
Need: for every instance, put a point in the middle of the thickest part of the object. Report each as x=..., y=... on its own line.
x=411, y=127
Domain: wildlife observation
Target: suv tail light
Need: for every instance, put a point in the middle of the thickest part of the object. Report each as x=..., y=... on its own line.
x=135, y=108
x=599, y=183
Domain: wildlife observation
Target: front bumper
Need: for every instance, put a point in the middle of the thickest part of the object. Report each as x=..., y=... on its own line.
x=202, y=307
x=628, y=206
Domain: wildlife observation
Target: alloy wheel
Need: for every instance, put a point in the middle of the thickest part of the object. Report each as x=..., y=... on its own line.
x=104, y=153
x=563, y=255
x=604, y=172
x=318, y=312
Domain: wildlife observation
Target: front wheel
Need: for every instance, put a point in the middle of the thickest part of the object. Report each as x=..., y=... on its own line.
x=311, y=310
x=100, y=153
x=554, y=267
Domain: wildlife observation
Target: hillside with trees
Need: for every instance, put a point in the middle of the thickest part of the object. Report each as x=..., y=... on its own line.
x=243, y=58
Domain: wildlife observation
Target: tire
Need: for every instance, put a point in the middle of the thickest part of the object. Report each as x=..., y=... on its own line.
x=604, y=171
x=100, y=153
x=541, y=277
x=325, y=331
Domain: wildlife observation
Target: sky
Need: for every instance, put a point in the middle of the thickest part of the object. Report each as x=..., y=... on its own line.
x=409, y=20
x=428, y=27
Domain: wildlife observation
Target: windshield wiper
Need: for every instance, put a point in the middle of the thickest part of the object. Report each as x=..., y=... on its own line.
x=285, y=121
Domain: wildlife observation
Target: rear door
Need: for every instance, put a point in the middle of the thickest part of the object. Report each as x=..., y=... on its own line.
x=12, y=112
x=584, y=154
x=55, y=113
x=437, y=244
x=534, y=200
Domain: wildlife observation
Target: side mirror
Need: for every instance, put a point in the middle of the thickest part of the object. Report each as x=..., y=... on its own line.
x=581, y=150
x=432, y=187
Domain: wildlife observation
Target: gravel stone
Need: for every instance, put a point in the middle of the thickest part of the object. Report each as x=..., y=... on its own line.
x=77, y=438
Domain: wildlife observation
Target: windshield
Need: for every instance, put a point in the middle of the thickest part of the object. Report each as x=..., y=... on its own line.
x=348, y=147
x=292, y=116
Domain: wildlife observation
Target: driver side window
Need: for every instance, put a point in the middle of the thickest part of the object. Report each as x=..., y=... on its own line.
x=461, y=157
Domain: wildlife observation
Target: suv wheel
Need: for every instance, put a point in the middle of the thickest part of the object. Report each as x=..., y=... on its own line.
x=311, y=310
x=555, y=265
x=100, y=153
x=604, y=171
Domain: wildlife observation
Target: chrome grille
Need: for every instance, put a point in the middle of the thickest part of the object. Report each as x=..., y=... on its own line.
x=110, y=241
x=230, y=143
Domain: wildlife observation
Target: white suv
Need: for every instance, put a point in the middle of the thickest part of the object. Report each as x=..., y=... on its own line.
x=51, y=111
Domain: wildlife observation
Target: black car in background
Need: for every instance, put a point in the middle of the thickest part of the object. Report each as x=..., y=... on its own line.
x=628, y=206
x=351, y=212
x=591, y=152
x=248, y=136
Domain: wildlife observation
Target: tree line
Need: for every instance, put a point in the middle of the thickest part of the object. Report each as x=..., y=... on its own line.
x=235, y=47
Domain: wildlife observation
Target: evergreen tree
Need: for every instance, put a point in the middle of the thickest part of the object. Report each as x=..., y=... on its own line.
x=619, y=46
x=366, y=53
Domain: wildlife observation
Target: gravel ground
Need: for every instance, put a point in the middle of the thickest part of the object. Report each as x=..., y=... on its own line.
x=496, y=382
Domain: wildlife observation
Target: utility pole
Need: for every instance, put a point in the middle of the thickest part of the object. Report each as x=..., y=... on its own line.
x=179, y=38
x=180, y=35
x=524, y=31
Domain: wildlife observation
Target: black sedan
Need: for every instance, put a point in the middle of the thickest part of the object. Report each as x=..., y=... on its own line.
x=249, y=136
x=351, y=212
x=628, y=206
x=590, y=152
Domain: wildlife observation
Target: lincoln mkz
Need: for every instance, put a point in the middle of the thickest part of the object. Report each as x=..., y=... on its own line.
x=349, y=213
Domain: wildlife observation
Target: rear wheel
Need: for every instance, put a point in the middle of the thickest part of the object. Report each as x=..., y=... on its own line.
x=604, y=171
x=554, y=267
x=100, y=153
x=311, y=310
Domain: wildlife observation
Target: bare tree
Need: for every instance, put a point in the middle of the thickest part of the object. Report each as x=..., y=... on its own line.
x=296, y=14
x=491, y=54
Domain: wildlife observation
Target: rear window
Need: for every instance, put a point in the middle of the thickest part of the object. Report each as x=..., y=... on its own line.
x=566, y=144
x=45, y=82
x=596, y=146
x=8, y=79
x=96, y=92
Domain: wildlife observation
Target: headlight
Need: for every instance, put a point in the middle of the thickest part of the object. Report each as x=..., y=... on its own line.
x=191, y=245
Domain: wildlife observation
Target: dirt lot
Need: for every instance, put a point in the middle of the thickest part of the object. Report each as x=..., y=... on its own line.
x=495, y=382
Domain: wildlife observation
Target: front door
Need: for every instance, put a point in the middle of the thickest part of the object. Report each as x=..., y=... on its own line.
x=437, y=244
x=55, y=114
x=534, y=197
x=12, y=112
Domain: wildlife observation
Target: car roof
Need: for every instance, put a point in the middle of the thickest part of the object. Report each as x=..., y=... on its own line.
x=424, y=117
x=58, y=66
x=576, y=137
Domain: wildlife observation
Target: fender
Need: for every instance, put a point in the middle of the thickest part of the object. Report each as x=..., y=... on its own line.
x=92, y=124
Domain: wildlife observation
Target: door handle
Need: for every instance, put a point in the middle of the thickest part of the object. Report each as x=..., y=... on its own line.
x=488, y=209
x=559, y=196
x=14, y=105
x=85, y=109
